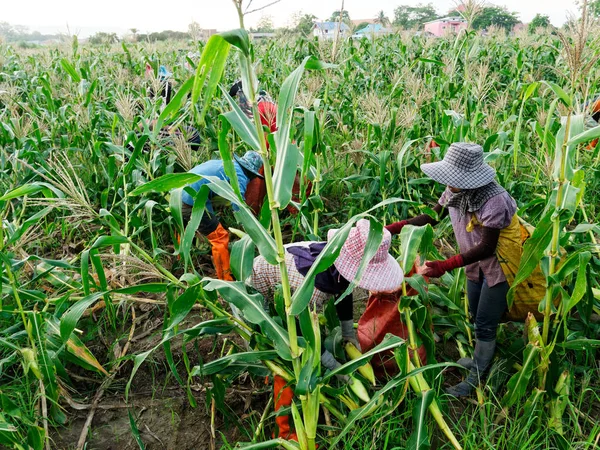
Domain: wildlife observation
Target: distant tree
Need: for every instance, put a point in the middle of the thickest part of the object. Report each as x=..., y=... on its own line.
x=382, y=19
x=335, y=16
x=194, y=31
x=593, y=7
x=306, y=24
x=6, y=30
x=134, y=32
x=264, y=25
x=360, y=26
x=104, y=38
x=406, y=16
x=539, y=21
x=495, y=15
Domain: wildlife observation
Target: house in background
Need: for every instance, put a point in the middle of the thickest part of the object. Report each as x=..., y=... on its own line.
x=262, y=36
x=372, y=30
x=519, y=27
x=205, y=34
x=440, y=27
x=328, y=30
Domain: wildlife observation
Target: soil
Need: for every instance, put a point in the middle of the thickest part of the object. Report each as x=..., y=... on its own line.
x=161, y=408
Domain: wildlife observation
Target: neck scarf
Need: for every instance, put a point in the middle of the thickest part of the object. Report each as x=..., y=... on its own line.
x=470, y=200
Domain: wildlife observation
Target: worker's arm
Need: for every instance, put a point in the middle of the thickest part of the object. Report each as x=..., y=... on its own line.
x=418, y=221
x=485, y=249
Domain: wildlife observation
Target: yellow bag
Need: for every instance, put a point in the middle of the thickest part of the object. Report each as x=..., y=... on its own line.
x=531, y=292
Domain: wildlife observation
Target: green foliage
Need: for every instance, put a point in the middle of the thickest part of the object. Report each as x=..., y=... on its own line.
x=497, y=16
x=306, y=24
x=102, y=37
x=539, y=21
x=335, y=16
x=406, y=16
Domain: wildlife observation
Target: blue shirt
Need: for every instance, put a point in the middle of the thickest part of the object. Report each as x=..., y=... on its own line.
x=214, y=168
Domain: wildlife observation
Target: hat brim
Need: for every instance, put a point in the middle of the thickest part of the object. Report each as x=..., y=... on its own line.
x=444, y=173
x=242, y=163
x=371, y=278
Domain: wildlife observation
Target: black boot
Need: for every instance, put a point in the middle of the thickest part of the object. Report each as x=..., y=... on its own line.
x=484, y=353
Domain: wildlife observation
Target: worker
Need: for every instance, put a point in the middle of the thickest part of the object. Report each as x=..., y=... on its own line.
x=246, y=168
x=165, y=87
x=267, y=109
x=488, y=233
x=382, y=274
x=592, y=120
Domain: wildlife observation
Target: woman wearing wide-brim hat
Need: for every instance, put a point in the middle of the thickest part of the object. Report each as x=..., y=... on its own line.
x=382, y=274
x=481, y=211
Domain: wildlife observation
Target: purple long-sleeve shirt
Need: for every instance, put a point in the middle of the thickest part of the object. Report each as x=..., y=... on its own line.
x=496, y=213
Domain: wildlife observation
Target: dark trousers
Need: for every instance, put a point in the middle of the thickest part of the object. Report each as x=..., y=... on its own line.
x=487, y=305
x=208, y=223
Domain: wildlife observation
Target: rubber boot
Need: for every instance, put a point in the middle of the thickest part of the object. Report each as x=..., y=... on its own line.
x=467, y=363
x=283, y=397
x=483, y=356
x=219, y=240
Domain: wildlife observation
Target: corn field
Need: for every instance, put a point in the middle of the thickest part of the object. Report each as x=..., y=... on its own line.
x=114, y=332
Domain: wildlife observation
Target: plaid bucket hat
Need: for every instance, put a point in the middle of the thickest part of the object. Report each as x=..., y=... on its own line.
x=251, y=161
x=463, y=167
x=382, y=274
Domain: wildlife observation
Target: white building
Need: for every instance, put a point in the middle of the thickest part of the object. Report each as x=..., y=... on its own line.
x=328, y=30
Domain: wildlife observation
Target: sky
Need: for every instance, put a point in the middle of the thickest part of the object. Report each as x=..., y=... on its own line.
x=51, y=16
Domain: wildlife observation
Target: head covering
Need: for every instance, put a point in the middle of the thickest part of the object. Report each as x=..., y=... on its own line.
x=471, y=200
x=251, y=161
x=462, y=167
x=163, y=73
x=382, y=274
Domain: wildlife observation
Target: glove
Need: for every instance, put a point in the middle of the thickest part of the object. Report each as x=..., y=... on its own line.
x=396, y=227
x=329, y=362
x=348, y=333
x=436, y=269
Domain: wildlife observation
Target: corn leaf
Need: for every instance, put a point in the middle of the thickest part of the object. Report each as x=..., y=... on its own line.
x=369, y=407
x=517, y=385
x=586, y=136
x=200, y=199
x=240, y=123
x=219, y=365
x=70, y=69
x=411, y=238
x=565, y=150
x=252, y=309
x=419, y=439
x=174, y=106
x=285, y=165
x=212, y=61
x=580, y=284
x=181, y=307
x=242, y=258
x=227, y=158
x=69, y=319
x=238, y=38
x=166, y=183
x=389, y=342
